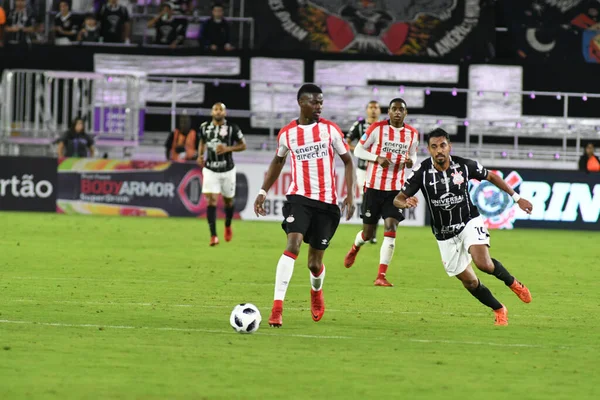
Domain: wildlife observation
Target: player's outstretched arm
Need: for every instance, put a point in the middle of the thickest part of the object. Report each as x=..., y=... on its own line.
x=271, y=176
x=348, y=203
x=401, y=201
x=364, y=154
x=524, y=205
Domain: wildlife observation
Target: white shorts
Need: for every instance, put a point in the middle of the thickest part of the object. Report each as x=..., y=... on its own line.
x=219, y=182
x=361, y=177
x=455, y=251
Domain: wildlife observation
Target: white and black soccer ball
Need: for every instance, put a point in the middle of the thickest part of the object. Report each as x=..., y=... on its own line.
x=245, y=318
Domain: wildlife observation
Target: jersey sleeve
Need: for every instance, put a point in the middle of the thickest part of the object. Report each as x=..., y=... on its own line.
x=238, y=136
x=282, y=147
x=368, y=138
x=354, y=132
x=476, y=170
x=414, y=181
x=337, y=140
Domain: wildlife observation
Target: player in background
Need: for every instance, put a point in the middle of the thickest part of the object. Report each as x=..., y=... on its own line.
x=455, y=221
x=311, y=212
x=390, y=146
x=357, y=130
x=219, y=139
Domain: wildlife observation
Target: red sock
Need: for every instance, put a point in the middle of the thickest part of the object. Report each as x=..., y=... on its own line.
x=382, y=269
x=277, y=304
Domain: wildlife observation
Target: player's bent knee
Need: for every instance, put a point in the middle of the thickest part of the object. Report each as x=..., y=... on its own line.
x=471, y=284
x=485, y=266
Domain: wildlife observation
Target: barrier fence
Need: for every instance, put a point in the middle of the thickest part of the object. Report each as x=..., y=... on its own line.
x=561, y=199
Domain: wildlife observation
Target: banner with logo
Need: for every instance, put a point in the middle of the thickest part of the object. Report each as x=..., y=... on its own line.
x=137, y=188
x=560, y=199
x=27, y=184
x=556, y=30
x=434, y=28
x=276, y=197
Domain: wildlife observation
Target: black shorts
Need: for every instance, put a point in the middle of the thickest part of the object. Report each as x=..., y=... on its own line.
x=316, y=222
x=379, y=204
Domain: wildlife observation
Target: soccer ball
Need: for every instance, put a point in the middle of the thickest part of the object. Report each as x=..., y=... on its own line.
x=245, y=318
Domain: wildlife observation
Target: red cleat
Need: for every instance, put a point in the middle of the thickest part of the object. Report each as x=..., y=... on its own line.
x=276, y=318
x=521, y=290
x=317, y=304
x=214, y=241
x=501, y=316
x=351, y=256
x=228, y=234
x=381, y=281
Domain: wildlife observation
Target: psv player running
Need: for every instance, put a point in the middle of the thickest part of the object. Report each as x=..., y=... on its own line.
x=390, y=146
x=455, y=221
x=311, y=213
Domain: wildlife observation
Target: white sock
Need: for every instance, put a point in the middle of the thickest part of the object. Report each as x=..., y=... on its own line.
x=317, y=281
x=359, y=241
x=387, y=250
x=285, y=269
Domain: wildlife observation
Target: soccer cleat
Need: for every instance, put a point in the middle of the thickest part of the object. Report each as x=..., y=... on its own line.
x=381, y=281
x=214, y=241
x=276, y=318
x=317, y=304
x=374, y=240
x=351, y=256
x=501, y=316
x=521, y=290
x=228, y=234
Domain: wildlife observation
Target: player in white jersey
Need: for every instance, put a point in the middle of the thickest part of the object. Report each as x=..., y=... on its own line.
x=390, y=146
x=311, y=213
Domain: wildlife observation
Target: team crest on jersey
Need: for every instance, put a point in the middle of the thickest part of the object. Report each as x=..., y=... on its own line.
x=457, y=178
x=324, y=135
x=223, y=131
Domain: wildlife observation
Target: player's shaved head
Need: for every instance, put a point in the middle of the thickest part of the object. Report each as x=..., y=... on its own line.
x=218, y=103
x=308, y=88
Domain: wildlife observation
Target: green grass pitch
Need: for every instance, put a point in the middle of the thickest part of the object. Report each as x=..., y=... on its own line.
x=134, y=308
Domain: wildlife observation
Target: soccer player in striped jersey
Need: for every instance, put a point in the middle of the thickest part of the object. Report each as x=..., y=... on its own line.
x=459, y=229
x=357, y=130
x=390, y=146
x=311, y=212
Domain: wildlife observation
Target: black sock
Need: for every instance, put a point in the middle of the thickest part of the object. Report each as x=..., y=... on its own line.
x=501, y=273
x=211, y=215
x=486, y=297
x=228, y=215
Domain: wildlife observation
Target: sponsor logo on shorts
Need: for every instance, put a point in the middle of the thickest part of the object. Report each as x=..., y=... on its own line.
x=290, y=219
x=324, y=241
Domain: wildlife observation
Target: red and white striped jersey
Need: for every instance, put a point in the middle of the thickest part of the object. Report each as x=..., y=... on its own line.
x=396, y=144
x=312, y=150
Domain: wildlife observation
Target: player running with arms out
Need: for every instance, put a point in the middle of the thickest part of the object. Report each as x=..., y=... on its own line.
x=455, y=221
x=219, y=138
x=390, y=146
x=311, y=212
x=357, y=130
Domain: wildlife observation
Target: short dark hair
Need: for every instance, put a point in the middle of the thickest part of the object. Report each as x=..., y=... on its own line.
x=89, y=15
x=372, y=102
x=308, y=88
x=217, y=4
x=438, y=132
x=399, y=100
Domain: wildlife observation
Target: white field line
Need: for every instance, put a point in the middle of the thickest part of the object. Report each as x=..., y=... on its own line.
x=207, y=306
x=279, y=333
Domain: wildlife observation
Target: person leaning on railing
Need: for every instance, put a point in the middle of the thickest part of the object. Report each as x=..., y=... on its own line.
x=170, y=31
x=589, y=162
x=21, y=24
x=75, y=142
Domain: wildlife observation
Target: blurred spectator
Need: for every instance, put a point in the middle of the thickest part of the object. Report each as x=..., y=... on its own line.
x=76, y=6
x=589, y=162
x=20, y=24
x=65, y=30
x=2, y=23
x=114, y=23
x=215, y=32
x=182, y=144
x=169, y=30
x=180, y=7
x=90, y=31
x=75, y=142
